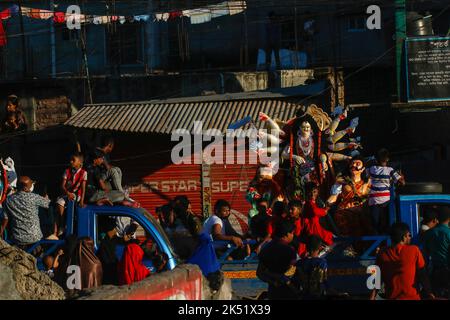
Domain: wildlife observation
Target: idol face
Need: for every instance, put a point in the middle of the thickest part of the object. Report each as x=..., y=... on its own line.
x=305, y=128
x=357, y=165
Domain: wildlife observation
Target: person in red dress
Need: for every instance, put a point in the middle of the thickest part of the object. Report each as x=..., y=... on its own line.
x=295, y=216
x=312, y=213
x=131, y=268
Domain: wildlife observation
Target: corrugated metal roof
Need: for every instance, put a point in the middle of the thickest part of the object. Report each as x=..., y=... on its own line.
x=165, y=116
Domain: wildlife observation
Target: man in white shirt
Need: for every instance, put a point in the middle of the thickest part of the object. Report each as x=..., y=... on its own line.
x=214, y=226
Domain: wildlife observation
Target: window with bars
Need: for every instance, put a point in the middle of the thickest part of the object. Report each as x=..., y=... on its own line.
x=125, y=44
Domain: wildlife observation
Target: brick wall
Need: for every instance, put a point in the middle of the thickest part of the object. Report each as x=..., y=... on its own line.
x=52, y=111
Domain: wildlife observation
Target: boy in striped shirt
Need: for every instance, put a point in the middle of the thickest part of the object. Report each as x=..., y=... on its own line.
x=381, y=178
x=74, y=187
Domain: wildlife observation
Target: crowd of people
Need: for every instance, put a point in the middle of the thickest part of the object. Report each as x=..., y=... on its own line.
x=293, y=221
x=298, y=233
x=27, y=212
x=284, y=234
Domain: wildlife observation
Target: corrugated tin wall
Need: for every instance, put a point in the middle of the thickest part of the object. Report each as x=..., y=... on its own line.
x=228, y=182
x=154, y=180
x=163, y=185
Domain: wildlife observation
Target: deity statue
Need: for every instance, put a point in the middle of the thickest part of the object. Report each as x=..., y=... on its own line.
x=350, y=193
x=308, y=145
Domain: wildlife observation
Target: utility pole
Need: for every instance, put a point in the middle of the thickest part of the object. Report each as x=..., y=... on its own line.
x=334, y=48
x=85, y=60
x=246, y=40
x=296, y=36
x=52, y=40
x=86, y=65
x=400, y=35
x=24, y=45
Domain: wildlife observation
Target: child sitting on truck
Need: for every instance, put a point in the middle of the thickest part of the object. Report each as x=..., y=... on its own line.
x=97, y=191
x=51, y=263
x=74, y=187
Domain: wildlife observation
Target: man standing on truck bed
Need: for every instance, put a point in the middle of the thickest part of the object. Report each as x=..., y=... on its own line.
x=22, y=213
x=275, y=259
x=381, y=177
x=400, y=265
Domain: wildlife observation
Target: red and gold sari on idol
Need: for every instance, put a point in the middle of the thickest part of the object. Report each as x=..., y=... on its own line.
x=352, y=216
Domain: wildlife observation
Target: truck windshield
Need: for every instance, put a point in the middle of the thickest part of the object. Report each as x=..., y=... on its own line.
x=159, y=228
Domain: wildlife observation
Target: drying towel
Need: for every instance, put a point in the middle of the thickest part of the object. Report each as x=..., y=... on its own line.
x=3, y=39
x=5, y=14
x=97, y=20
x=60, y=17
x=46, y=14
x=144, y=17
x=26, y=12
x=200, y=16
x=105, y=19
x=236, y=6
x=219, y=10
x=35, y=13
x=185, y=13
x=175, y=14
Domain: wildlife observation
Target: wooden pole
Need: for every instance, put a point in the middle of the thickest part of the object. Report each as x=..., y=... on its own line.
x=24, y=46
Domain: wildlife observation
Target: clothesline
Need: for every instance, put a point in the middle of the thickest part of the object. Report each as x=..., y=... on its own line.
x=198, y=15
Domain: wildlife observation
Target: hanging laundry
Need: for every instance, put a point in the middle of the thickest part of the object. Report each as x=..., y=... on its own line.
x=122, y=19
x=89, y=19
x=186, y=13
x=219, y=10
x=97, y=20
x=35, y=13
x=105, y=19
x=83, y=18
x=26, y=12
x=59, y=17
x=130, y=19
x=46, y=14
x=144, y=17
x=76, y=17
x=165, y=16
x=200, y=16
x=158, y=16
x=175, y=14
x=236, y=7
x=5, y=14
x=3, y=38
x=114, y=18
x=14, y=9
